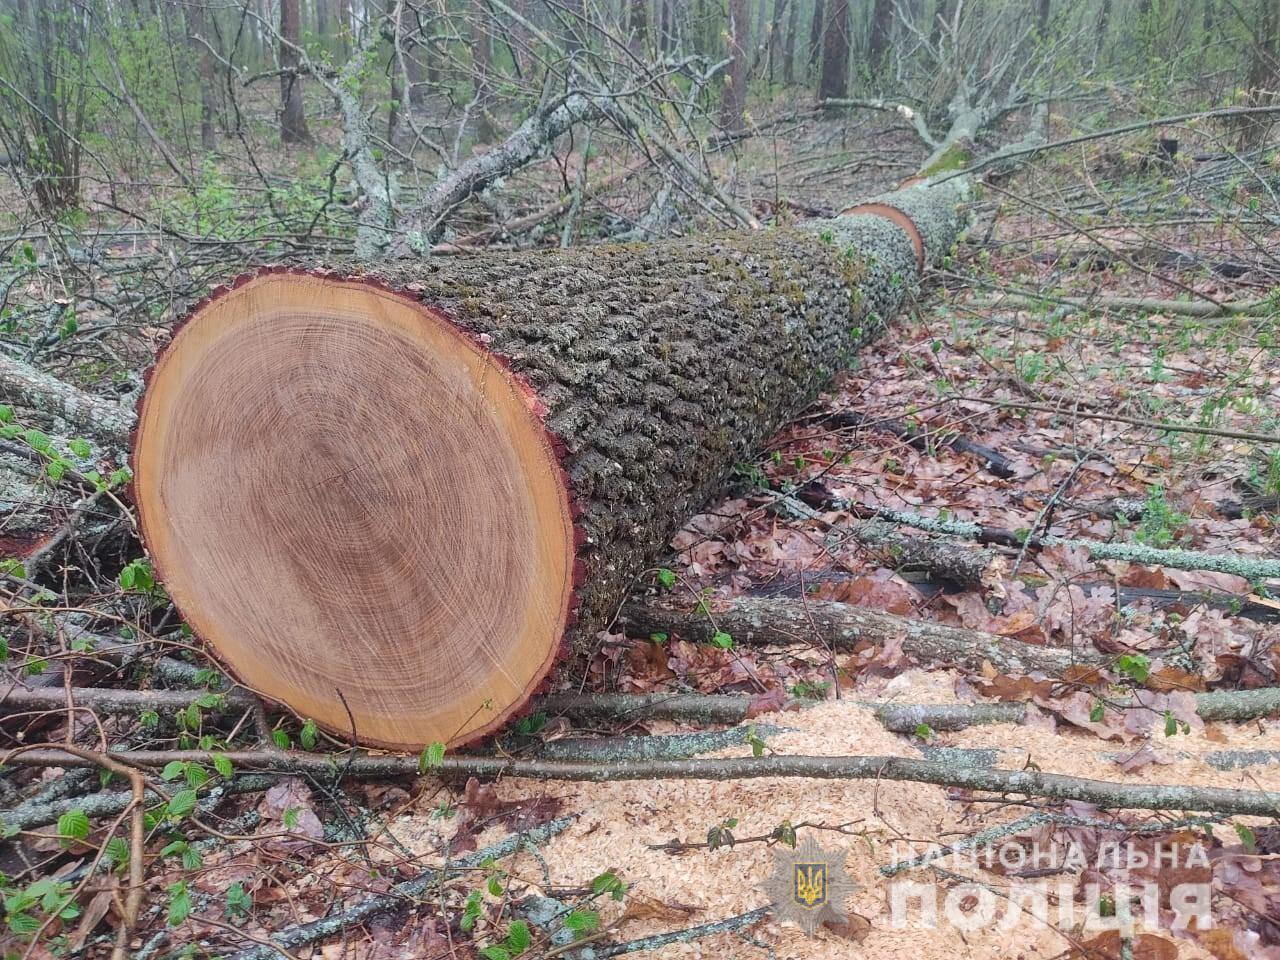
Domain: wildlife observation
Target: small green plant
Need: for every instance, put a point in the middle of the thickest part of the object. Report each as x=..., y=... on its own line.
x=811, y=689
x=1135, y=666
x=1160, y=523
x=721, y=835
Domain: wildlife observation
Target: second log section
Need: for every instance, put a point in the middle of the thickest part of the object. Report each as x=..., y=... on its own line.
x=393, y=498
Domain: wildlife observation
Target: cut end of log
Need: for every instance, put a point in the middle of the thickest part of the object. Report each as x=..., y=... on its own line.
x=358, y=507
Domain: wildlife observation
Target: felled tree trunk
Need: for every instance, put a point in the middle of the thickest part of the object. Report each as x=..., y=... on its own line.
x=391, y=499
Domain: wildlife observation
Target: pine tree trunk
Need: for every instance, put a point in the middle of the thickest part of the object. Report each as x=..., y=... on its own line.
x=402, y=491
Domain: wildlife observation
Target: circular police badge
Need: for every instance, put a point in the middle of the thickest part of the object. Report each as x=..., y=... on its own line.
x=809, y=885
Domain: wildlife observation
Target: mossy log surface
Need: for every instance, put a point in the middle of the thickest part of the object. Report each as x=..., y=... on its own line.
x=646, y=372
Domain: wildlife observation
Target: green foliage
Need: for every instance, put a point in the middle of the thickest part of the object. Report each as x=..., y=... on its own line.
x=72, y=826
x=27, y=908
x=239, y=901
x=431, y=758
x=811, y=689
x=609, y=883
x=721, y=835
x=1135, y=666
x=1160, y=523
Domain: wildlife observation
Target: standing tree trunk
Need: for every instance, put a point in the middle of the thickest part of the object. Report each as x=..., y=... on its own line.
x=1043, y=11
x=638, y=25
x=208, y=67
x=733, y=99
x=878, y=41
x=816, y=28
x=293, y=118
x=834, y=82
x=481, y=62
x=431, y=478
x=789, y=44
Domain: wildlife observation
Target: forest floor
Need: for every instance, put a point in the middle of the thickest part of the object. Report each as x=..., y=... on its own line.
x=1071, y=396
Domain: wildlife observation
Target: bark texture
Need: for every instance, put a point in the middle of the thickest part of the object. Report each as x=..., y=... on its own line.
x=844, y=627
x=662, y=366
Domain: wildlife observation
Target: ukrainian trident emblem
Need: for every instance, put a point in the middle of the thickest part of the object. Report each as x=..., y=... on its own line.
x=809, y=885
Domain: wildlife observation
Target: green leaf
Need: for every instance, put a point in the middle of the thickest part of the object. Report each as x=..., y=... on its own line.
x=495, y=887
x=173, y=770
x=281, y=739
x=582, y=921
x=24, y=924
x=923, y=731
x=291, y=817
x=722, y=640
x=666, y=578
x=432, y=757
x=308, y=735
x=1247, y=837
x=80, y=448
x=73, y=825
x=182, y=803
x=56, y=470
x=222, y=764
x=495, y=952
x=518, y=937
x=117, y=851
x=6, y=413
x=239, y=903
x=1097, y=712
x=37, y=441
x=609, y=883
x=1134, y=665
x=191, y=859
x=179, y=904
x=197, y=776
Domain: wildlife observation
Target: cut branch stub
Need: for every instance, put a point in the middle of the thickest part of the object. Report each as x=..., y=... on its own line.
x=346, y=494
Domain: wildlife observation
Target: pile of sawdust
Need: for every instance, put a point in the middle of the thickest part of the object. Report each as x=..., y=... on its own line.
x=618, y=824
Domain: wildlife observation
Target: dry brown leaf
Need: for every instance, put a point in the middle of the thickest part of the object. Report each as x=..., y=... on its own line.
x=646, y=908
x=98, y=907
x=855, y=927
x=1109, y=946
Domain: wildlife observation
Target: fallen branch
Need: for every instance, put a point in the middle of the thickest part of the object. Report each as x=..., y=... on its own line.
x=1217, y=705
x=757, y=620
x=1029, y=783
x=1082, y=414
x=1251, y=568
x=65, y=407
x=728, y=925
x=402, y=894
x=993, y=460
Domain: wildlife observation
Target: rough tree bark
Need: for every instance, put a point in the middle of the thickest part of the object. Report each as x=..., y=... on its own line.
x=293, y=118
x=789, y=43
x=834, y=82
x=437, y=469
x=878, y=41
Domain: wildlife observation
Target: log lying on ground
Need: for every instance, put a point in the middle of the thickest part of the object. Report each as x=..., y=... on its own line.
x=842, y=626
x=386, y=499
